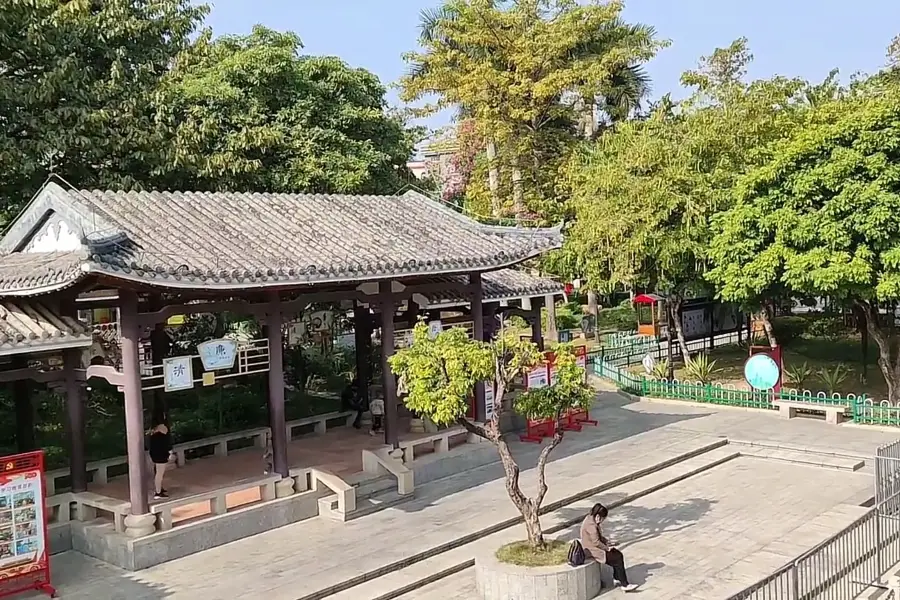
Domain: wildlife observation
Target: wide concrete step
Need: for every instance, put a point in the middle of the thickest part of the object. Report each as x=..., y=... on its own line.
x=816, y=450
x=563, y=523
x=373, y=485
x=805, y=458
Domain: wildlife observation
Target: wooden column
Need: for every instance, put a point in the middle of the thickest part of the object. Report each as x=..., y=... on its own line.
x=388, y=306
x=362, y=332
x=75, y=416
x=552, y=332
x=537, y=334
x=24, y=409
x=276, y=385
x=129, y=334
x=490, y=320
x=477, y=308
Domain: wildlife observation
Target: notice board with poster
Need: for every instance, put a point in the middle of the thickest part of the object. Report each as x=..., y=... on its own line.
x=24, y=552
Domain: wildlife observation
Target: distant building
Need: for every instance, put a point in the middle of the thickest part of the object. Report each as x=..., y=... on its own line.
x=433, y=156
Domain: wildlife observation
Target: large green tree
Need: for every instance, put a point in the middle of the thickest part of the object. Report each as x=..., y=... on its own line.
x=644, y=195
x=820, y=217
x=517, y=69
x=76, y=87
x=252, y=113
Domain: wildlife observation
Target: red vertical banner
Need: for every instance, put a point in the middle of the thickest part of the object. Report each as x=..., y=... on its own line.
x=24, y=549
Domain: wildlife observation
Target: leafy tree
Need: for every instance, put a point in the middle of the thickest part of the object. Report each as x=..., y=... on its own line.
x=439, y=374
x=250, y=113
x=510, y=65
x=645, y=194
x=76, y=86
x=819, y=217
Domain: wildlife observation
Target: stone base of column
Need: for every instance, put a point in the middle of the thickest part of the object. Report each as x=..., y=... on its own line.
x=284, y=488
x=365, y=422
x=140, y=525
x=416, y=426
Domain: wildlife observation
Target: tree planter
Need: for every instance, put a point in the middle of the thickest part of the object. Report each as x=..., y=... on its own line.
x=500, y=581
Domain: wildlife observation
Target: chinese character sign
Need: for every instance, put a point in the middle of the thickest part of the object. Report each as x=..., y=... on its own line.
x=217, y=354
x=178, y=373
x=24, y=560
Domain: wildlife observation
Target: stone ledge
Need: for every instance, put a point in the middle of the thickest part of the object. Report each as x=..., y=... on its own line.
x=498, y=581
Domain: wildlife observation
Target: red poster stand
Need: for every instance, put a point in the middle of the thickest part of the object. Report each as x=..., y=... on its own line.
x=537, y=430
x=24, y=548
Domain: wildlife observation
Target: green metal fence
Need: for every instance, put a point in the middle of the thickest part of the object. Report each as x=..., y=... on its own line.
x=860, y=409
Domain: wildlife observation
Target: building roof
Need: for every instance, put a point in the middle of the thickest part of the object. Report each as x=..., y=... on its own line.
x=207, y=240
x=505, y=284
x=33, y=327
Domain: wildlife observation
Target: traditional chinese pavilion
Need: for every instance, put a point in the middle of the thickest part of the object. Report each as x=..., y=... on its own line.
x=267, y=255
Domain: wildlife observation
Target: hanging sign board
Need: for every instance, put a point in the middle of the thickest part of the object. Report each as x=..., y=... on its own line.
x=434, y=328
x=178, y=373
x=24, y=556
x=217, y=354
x=537, y=377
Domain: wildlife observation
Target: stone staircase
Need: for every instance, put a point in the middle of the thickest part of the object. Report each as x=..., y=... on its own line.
x=373, y=493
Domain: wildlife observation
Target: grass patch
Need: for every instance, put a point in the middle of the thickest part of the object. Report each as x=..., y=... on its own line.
x=554, y=552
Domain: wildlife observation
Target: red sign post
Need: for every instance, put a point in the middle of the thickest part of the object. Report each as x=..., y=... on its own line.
x=542, y=376
x=24, y=551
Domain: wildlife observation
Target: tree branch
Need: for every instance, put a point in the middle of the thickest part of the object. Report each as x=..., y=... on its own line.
x=542, y=462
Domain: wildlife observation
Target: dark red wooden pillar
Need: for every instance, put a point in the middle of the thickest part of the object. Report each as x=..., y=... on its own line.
x=477, y=307
x=277, y=421
x=362, y=333
x=537, y=333
x=129, y=334
x=75, y=416
x=24, y=408
x=389, y=383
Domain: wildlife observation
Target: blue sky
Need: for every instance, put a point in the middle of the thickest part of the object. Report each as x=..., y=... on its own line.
x=805, y=38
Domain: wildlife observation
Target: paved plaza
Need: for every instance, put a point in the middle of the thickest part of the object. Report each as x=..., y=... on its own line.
x=674, y=531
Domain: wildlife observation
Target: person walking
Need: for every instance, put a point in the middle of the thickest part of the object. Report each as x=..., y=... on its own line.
x=598, y=547
x=160, y=450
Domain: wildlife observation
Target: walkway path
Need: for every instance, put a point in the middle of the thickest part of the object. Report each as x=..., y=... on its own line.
x=290, y=562
x=706, y=537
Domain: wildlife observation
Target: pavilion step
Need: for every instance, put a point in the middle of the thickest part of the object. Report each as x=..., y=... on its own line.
x=328, y=506
x=839, y=463
x=370, y=485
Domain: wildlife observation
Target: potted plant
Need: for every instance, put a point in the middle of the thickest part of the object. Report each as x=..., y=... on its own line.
x=438, y=375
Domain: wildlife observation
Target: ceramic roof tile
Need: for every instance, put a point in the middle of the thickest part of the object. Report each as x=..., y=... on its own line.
x=27, y=326
x=505, y=284
x=35, y=272
x=229, y=240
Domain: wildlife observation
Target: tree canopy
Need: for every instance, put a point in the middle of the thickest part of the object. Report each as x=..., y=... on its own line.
x=252, y=113
x=77, y=81
x=517, y=70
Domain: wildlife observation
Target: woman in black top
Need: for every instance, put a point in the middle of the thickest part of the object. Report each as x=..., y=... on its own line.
x=160, y=448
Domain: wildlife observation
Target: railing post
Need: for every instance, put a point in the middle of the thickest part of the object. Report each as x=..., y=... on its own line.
x=795, y=582
x=644, y=387
x=708, y=392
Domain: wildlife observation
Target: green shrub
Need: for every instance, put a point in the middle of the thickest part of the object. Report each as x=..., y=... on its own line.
x=701, y=369
x=833, y=378
x=789, y=329
x=828, y=328
x=799, y=374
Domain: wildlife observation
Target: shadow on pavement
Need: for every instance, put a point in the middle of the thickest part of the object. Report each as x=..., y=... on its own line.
x=615, y=423
x=79, y=577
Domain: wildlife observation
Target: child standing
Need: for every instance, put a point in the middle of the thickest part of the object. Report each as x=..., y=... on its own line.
x=376, y=407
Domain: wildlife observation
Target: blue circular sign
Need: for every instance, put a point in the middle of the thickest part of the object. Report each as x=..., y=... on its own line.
x=761, y=372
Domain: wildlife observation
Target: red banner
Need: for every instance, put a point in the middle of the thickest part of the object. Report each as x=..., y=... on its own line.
x=24, y=550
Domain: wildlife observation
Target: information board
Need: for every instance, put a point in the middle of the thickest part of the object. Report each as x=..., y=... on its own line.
x=24, y=555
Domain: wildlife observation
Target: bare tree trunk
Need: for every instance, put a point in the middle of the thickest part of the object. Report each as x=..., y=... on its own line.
x=494, y=179
x=888, y=357
x=594, y=310
x=675, y=311
x=518, y=192
x=766, y=321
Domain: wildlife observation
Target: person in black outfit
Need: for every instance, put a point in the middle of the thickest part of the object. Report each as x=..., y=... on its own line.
x=351, y=400
x=160, y=449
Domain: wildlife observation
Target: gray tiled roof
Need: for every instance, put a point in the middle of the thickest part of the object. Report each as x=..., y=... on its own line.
x=505, y=284
x=234, y=240
x=34, y=272
x=31, y=327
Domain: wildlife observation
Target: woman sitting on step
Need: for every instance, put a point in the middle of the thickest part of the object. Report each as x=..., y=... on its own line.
x=601, y=549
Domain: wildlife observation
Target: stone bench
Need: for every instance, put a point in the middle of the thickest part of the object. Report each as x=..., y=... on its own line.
x=59, y=508
x=438, y=442
x=219, y=443
x=498, y=581
x=99, y=469
x=217, y=499
x=319, y=422
x=88, y=504
x=834, y=413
